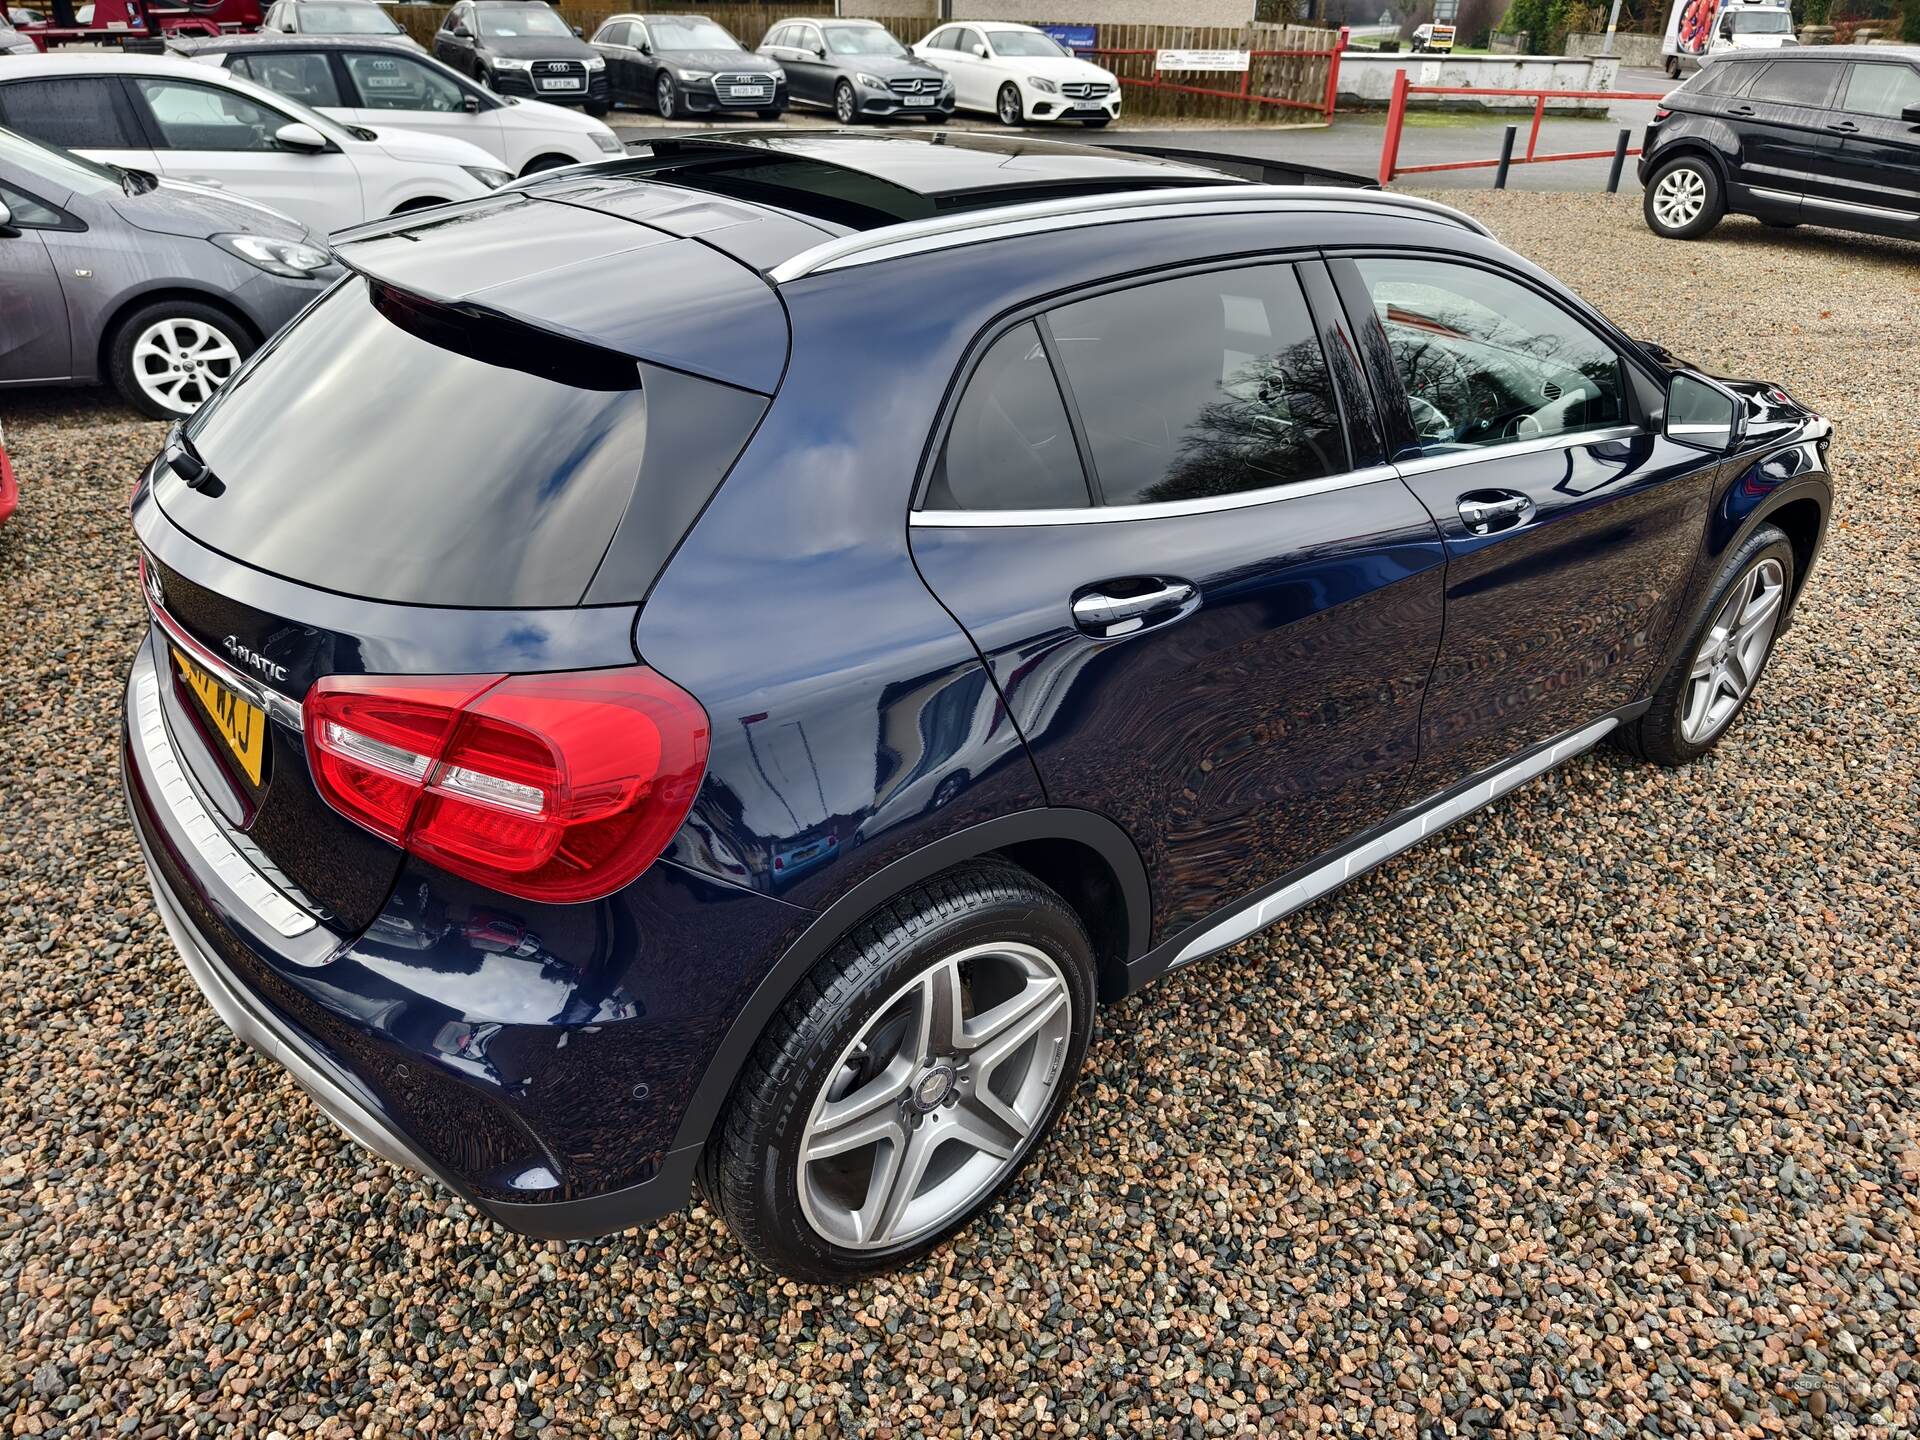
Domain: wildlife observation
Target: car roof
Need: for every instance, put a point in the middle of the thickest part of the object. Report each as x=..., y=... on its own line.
x=119, y=64
x=273, y=40
x=1908, y=53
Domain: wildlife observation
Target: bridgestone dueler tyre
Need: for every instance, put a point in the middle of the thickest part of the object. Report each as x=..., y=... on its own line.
x=987, y=914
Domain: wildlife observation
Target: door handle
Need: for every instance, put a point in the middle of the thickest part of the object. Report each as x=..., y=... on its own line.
x=1740, y=110
x=1845, y=127
x=1106, y=615
x=1486, y=511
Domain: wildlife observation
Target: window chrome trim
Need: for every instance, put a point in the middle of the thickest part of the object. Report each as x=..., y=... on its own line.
x=1421, y=464
x=969, y=227
x=1155, y=510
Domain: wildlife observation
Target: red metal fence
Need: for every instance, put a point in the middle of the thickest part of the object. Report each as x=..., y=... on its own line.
x=1390, y=165
x=1322, y=103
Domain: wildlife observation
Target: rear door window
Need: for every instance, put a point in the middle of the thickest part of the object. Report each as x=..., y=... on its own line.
x=1798, y=82
x=1201, y=386
x=388, y=448
x=82, y=113
x=1882, y=91
x=297, y=74
x=1727, y=77
x=205, y=117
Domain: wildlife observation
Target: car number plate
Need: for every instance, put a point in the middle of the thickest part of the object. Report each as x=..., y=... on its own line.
x=920, y=99
x=241, y=724
x=562, y=84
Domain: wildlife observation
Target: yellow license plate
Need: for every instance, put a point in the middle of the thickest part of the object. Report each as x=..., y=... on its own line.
x=241, y=724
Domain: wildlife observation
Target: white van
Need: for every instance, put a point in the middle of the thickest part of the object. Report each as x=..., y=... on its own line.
x=1700, y=30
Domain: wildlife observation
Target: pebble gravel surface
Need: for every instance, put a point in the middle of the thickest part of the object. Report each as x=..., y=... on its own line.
x=1599, y=1115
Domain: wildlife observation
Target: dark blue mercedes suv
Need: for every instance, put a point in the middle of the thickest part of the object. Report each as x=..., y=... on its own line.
x=706, y=670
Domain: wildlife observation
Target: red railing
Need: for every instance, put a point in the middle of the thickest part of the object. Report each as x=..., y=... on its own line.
x=1323, y=105
x=1390, y=165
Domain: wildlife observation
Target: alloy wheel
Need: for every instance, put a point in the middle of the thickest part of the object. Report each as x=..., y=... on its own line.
x=843, y=104
x=937, y=1098
x=663, y=98
x=1009, y=105
x=1679, y=197
x=1732, y=652
x=178, y=363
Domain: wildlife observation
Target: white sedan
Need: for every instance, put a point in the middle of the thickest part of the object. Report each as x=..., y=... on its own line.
x=1019, y=74
x=387, y=83
x=202, y=125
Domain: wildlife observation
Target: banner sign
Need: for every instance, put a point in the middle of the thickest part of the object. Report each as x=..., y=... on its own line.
x=1201, y=60
x=1073, y=37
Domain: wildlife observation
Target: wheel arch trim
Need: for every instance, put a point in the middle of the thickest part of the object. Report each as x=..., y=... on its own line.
x=1084, y=827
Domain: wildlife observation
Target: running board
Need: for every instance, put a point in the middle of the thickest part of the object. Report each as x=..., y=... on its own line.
x=1436, y=814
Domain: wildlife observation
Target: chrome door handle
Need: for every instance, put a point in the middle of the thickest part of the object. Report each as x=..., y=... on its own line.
x=1099, y=613
x=1485, y=511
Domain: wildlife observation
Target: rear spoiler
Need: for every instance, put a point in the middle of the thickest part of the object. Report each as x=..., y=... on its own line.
x=1248, y=167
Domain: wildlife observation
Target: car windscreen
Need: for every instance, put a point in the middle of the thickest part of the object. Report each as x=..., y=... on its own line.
x=1758, y=22
x=689, y=35
x=392, y=449
x=346, y=20
x=505, y=22
x=862, y=40
x=1024, y=43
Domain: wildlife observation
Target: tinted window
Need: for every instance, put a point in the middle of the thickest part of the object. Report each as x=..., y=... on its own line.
x=965, y=40
x=80, y=114
x=489, y=485
x=27, y=212
x=940, y=40
x=613, y=33
x=399, y=82
x=300, y=76
x=1882, y=90
x=1010, y=446
x=1486, y=360
x=1724, y=77
x=1805, y=82
x=200, y=117
x=1204, y=385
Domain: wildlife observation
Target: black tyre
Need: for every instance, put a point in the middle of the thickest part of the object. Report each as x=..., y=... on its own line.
x=166, y=359
x=665, y=98
x=1672, y=68
x=1008, y=106
x=599, y=108
x=545, y=162
x=938, y=117
x=771, y=114
x=908, y=1078
x=1098, y=123
x=1684, y=198
x=1781, y=224
x=1727, y=648
x=846, y=108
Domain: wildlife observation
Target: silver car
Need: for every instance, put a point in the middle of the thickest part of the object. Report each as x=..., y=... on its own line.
x=160, y=288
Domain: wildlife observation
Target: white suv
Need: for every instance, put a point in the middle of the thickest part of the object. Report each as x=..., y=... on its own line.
x=1019, y=74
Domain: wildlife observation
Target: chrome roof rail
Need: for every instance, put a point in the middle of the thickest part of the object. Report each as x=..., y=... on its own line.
x=968, y=227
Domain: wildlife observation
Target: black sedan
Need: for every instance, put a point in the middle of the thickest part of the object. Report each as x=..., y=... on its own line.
x=857, y=70
x=686, y=65
x=522, y=47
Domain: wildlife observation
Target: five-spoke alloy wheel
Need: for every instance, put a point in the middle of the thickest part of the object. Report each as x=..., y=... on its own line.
x=908, y=1078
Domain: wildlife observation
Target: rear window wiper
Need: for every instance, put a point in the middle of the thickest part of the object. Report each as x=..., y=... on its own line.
x=185, y=462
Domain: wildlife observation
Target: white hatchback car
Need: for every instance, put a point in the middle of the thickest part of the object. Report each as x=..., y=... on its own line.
x=195, y=123
x=386, y=83
x=1019, y=73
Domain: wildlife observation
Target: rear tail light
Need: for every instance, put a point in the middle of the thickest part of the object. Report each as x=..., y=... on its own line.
x=1659, y=115
x=551, y=787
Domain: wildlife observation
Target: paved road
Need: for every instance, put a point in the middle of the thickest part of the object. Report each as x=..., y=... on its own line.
x=1352, y=142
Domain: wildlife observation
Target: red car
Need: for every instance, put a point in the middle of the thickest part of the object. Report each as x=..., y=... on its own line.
x=9, y=492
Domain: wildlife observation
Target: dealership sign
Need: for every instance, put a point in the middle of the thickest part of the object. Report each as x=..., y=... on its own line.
x=1201, y=60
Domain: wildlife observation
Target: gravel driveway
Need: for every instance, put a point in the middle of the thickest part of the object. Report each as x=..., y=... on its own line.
x=1601, y=1113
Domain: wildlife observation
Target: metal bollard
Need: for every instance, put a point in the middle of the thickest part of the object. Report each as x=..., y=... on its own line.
x=1619, y=162
x=1506, y=157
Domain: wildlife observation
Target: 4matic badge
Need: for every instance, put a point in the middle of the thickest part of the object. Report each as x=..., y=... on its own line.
x=254, y=659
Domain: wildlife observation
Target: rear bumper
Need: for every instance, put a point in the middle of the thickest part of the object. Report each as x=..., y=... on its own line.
x=400, y=1056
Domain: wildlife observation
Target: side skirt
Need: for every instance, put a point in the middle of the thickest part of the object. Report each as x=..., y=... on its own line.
x=1302, y=887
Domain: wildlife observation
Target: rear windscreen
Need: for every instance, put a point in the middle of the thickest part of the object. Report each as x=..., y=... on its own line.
x=403, y=451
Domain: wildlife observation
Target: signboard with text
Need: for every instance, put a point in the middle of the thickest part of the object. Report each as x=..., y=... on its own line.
x=1209, y=60
x=1073, y=37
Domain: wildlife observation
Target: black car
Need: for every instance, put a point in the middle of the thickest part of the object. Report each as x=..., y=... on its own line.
x=523, y=47
x=687, y=65
x=857, y=69
x=834, y=609
x=1826, y=136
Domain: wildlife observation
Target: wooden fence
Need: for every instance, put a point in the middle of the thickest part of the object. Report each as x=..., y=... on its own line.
x=1298, y=78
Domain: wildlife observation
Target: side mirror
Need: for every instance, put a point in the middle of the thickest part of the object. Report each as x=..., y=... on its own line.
x=819, y=52
x=470, y=104
x=6, y=220
x=461, y=32
x=980, y=52
x=1702, y=414
x=646, y=47
x=577, y=33
x=298, y=135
